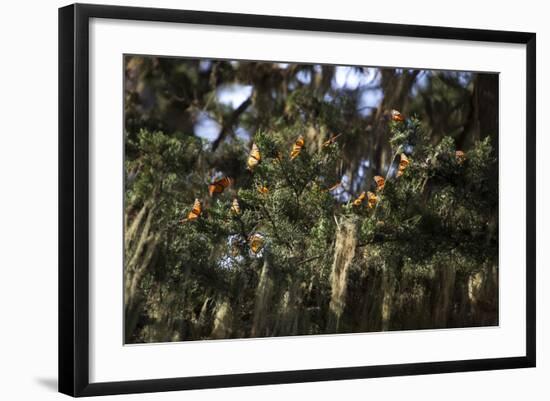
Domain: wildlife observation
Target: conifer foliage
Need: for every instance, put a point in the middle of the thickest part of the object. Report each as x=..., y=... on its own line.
x=270, y=236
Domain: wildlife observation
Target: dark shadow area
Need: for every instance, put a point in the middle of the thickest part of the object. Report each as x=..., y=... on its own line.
x=49, y=383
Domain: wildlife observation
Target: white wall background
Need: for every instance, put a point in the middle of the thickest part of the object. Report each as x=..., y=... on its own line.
x=28, y=200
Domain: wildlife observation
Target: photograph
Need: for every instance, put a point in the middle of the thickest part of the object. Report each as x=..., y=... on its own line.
x=278, y=198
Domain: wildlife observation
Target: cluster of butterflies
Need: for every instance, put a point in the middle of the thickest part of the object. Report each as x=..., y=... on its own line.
x=371, y=197
x=255, y=157
x=256, y=241
x=213, y=188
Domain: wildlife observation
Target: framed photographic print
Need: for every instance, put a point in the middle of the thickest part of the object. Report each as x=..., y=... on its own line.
x=249, y=199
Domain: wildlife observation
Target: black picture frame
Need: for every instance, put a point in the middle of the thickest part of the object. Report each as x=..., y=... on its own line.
x=74, y=201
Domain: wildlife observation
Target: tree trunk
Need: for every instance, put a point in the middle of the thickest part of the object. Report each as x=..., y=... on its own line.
x=443, y=296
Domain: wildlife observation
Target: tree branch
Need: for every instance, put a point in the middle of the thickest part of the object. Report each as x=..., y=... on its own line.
x=227, y=126
x=275, y=230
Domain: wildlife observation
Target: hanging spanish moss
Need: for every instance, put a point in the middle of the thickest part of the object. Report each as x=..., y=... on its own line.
x=344, y=251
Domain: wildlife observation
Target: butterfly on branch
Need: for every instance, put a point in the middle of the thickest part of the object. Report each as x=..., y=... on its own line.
x=372, y=200
x=397, y=116
x=403, y=163
x=380, y=182
x=218, y=186
x=195, y=212
x=263, y=189
x=256, y=242
x=235, y=207
x=297, y=147
x=460, y=156
x=254, y=157
x=360, y=198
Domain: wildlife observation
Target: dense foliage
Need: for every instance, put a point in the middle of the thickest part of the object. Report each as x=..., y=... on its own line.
x=302, y=239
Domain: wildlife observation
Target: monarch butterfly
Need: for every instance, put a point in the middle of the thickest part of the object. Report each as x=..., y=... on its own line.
x=460, y=156
x=235, y=207
x=372, y=200
x=359, y=200
x=397, y=116
x=256, y=242
x=380, y=182
x=263, y=190
x=297, y=147
x=194, y=213
x=217, y=187
x=403, y=163
x=330, y=141
x=254, y=157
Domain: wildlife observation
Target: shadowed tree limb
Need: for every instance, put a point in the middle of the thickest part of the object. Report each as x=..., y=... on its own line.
x=227, y=126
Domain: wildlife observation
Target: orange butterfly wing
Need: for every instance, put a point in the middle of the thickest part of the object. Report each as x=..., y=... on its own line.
x=263, y=190
x=359, y=200
x=218, y=186
x=372, y=200
x=380, y=182
x=403, y=163
x=460, y=156
x=195, y=211
x=256, y=242
x=254, y=157
x=297, y=147
x=397, y=116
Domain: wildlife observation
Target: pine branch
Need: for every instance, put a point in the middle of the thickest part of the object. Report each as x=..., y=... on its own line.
x=275, y=230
